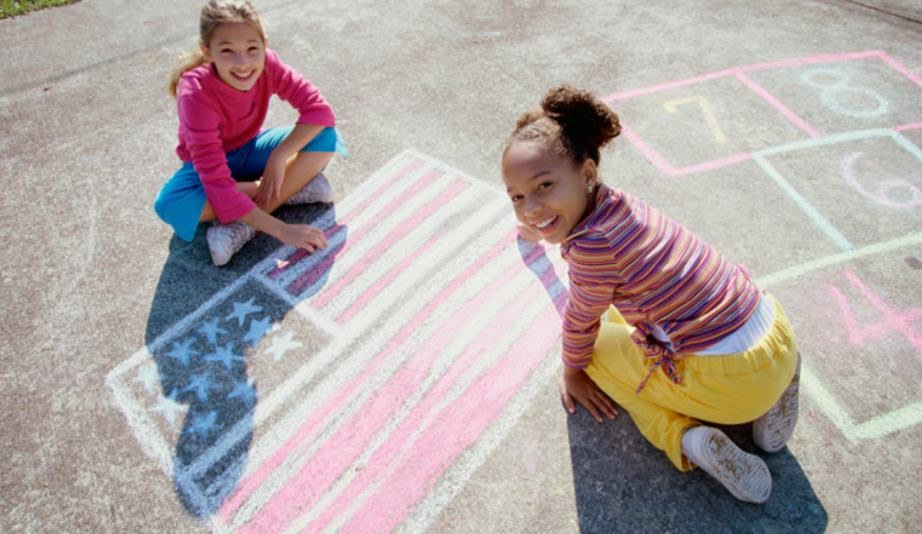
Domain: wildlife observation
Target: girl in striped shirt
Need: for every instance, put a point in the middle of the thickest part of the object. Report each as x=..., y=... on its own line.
x=656, y=320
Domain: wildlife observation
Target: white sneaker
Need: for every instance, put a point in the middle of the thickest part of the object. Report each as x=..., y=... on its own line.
x=224, y=240
x=773, y=430
x=744, y=475
x=317, y=190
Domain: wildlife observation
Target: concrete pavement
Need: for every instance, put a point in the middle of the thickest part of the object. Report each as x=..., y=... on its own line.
x=405, y=379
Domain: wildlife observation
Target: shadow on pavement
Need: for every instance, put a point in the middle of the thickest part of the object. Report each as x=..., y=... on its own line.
x=624, y=484
x=205, y=327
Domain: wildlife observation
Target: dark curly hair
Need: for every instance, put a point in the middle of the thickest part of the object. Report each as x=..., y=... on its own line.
x=575, y=122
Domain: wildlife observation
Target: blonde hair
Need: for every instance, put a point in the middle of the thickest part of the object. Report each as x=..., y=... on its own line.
x=215, y=13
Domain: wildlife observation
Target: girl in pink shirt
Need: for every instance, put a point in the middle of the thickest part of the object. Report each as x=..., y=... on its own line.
x=233, y=172
x=656, y=319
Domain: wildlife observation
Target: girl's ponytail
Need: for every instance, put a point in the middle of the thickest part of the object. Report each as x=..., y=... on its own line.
x=187, y=61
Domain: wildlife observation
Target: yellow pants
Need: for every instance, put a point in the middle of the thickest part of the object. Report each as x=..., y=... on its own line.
x=730, y=389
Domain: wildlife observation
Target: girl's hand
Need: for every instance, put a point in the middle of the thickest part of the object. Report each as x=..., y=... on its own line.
x=270, y=186
x=576, y=384
x=528, y=233
x=303, y=236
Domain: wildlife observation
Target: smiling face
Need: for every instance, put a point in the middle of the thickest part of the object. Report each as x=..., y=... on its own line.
x=238, y=52
x=549, y=192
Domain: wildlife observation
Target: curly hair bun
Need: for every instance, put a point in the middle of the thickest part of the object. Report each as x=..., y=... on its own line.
x=587, y=124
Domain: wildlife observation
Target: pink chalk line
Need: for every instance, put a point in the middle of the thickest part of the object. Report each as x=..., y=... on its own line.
x=320, y=417
x=324, y=265
x=780, y=107
x=303, y=490
x=386, y=184
x=395, y=235
x=664, y=166
x=859, y=334
x=913, y=126
x=393, y=451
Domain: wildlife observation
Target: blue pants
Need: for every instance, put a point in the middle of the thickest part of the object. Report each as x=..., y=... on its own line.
x=180, y=201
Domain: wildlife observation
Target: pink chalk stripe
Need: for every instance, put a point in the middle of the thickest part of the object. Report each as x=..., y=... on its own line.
x=899, y=67
x=300, y=254
x=314, y=478
x=905, y=127
x=390, y=451
x=780, y=107
x=369, y=294
x=321, y=416
x=713, y=164
x=457, y=427
x=825, y=58
x=322, y=267
x=388, y=183
x=395, y=235
x=648, y=151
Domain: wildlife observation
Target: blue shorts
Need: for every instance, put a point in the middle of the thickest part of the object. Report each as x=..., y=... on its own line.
x=181, y=199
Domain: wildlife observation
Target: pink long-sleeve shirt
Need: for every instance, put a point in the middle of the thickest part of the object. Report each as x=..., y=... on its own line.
x=215, y=118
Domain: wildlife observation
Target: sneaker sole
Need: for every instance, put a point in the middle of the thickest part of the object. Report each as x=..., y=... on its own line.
x=772, y=431
x=744, y=475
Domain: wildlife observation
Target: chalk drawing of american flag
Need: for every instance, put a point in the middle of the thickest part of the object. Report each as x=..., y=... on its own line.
x=369, y=380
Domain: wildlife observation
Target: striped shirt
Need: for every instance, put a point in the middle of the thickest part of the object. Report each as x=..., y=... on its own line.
x=660, y=277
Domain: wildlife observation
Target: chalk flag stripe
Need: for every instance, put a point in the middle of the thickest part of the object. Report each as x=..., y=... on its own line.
x=426, y=416
x=317, y=419
x=355, y=237
x=338, y=454
x=383, y=183
x=471, y=414
x=414, y=222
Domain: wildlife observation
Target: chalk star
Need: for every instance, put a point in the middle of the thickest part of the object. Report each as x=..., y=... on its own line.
x=203, y=423
x=201, y=385
x=211, y=330
x=182, y=352
x=242, y=309
x=168, y=408
x=225, y=355
x=258, y=329
x=245, y=392
x=282, y=344
x=147, y=376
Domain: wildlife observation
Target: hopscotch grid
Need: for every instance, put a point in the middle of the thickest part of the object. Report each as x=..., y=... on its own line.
x=408, y=346
x=739, y=73
x=461, y=385
x=438, y=372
